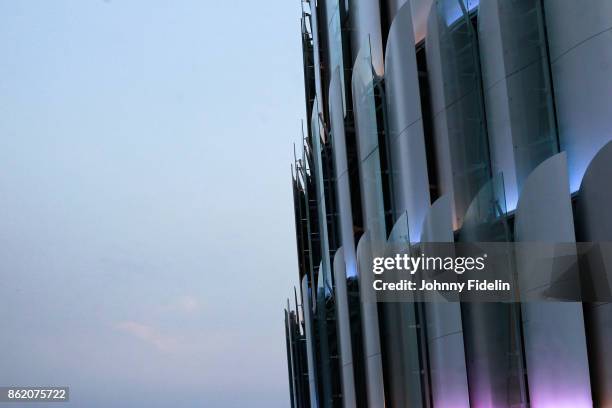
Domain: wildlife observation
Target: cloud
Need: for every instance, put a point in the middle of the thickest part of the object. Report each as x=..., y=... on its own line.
x=150, y=335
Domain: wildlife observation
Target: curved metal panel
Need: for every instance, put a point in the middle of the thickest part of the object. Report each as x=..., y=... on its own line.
x=343, y=192
x=366, y=126
x=310, y=353
x=344, y=331
x=491, y=331
x=407, y=144
x=438, y=223
x=544, y=210
x=373, y=240
x=554, y=338
x=518, y=97
x=580, y=35
x=370, y=326
x=366, y=32
x=594, y=224
x=595, y=198
x=570, y=23
x=449, y=386
x=401, y=76
x=400, y=336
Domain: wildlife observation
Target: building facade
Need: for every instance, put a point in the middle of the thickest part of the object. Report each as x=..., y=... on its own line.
x=449, y=121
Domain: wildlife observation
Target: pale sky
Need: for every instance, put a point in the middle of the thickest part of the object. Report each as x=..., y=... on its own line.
x=146, y=221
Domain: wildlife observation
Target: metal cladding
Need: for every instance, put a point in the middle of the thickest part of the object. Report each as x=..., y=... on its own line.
x=344, y=331
x=370, y=326
x=343, y=193
x=449, y=385
x=365, y=20
x=345, y=264
x=554, y=338
x=400, y=336
x=594, y=219
x=405, y=125
x=491, y=331
x=478, y=122
x=460, y=138
x=517, y=89
x=579, y=37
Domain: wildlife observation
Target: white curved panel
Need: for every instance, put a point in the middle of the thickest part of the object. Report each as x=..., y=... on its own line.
x=438, y=223
x=373, y=240
x=554, y=338
x=366, y=32
x=594, y=224
x=595, y=198
x=571, y=22
x=344, y=331
x=310, y=355
x=401, y=76
x=343, y=193
x=407, y=144
x=580, y=35
x=399, y=237
x=444, y=329
x=544, y=210
x=366, y=126
x=370, y=326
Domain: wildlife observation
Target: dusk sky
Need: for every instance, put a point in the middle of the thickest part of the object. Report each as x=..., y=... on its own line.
x=146, y=222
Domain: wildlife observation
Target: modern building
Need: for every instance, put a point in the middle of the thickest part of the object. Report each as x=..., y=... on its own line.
x=449, y=121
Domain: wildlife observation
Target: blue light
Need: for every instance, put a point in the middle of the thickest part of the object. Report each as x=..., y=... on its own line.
x=453, y=10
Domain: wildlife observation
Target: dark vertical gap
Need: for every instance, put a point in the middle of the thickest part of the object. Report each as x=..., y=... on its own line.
x=303, y=359
x=383, y=153
x=421, y=324
x=288, y=342
x=427, y=114
x=385, y=20
x=357, y=342
x=353, y=173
